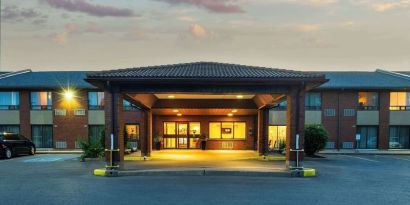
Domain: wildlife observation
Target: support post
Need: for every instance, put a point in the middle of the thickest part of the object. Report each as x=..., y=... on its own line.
x=263, y=127
x=295, y=125
x=146, y=141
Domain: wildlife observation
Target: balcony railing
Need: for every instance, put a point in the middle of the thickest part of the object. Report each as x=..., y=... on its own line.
x=398, y=108
x=313, y=107
x=9, y=107
x=96, y=107
x=41, y=107
x=367, y=107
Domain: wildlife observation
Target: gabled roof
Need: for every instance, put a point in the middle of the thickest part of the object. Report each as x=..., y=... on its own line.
x=202, y=70
x=364, y=80
x=46, y=80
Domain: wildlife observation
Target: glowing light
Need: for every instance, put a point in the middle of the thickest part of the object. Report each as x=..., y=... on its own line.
x=68, y=94
x=171, y=96
x=179, y=114
x=230, y=114
x=239, y=96
x=234, y=111
x=175, y=110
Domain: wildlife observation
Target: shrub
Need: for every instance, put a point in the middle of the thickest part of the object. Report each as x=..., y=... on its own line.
x=315, y=138
x=93, y=147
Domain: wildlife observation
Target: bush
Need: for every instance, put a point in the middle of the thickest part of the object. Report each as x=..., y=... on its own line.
x=93, y=147
x=315, y=138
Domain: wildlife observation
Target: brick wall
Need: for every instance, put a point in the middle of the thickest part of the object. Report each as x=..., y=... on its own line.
x=25, y=126
x=70, y=127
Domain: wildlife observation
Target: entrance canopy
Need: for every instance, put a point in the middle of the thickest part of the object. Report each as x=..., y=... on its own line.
x=206, y=88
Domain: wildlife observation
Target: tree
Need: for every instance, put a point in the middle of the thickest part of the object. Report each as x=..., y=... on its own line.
x=316, y=137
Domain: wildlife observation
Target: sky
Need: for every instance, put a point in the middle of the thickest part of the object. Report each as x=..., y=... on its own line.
x=358, y=35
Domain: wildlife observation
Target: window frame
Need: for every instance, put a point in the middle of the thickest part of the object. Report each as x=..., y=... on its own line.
x=11, y=107
x=398, y=135
x=233, y=130
x=398, y=107
x=41, y=107
x=368, y=107
x=95, y=107
x=313, y=107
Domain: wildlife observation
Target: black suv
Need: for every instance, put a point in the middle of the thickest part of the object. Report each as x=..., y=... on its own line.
x=14, y=144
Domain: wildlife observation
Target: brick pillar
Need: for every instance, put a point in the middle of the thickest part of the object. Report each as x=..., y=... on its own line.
x=384, y=119
x=295, y=124
x=25, y=125
x=113, y=125
x=146, y=140
x=263, y=126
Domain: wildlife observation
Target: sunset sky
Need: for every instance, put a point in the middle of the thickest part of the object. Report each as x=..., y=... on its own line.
x=290, y=34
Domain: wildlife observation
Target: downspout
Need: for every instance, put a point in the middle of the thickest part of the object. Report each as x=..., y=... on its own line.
x=338, y=121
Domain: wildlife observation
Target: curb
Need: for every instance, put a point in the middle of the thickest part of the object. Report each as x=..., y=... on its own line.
x=191, y=172
x=305, y=172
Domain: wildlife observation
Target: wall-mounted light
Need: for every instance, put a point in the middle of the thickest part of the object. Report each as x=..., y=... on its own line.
x=230, y=114
x=68, y=94
x=179, y=114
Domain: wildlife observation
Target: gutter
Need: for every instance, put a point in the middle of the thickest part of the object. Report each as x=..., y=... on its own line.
x=11, y=74
x=395, y=74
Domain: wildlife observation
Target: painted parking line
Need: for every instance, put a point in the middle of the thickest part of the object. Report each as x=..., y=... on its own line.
x=362, y=158
x=43, y=159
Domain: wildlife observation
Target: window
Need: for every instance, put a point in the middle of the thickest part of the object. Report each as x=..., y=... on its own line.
x=194, y=128
x=399, y=137
x=95, y=100
x=400, y=101
x=368, y=137
x=95, y=131
x=9, y=100
x=41, y=100
x=368, y=101
x=128, y=106
x=313, y=101
x=10, y=128
x=42, y=136
x=281, y=106
x=132, y=132
x=169, y=128
x=227, y=130
x=277, y=137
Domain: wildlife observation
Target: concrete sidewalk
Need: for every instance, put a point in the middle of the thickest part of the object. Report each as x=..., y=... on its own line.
x=366, y=151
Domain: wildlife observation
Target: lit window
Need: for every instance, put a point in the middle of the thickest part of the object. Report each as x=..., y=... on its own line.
x=41, y=100
x=169, y=128
x=214, y=130
x=194, y=128
x=368, y=101
x=9, y=100
x=227, y=130
x=400, y=101
x=95, y=100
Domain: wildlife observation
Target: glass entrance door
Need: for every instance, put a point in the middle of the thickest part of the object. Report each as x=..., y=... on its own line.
x=182, y=135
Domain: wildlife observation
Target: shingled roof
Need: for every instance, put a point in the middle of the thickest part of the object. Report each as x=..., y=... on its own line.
x=202, y=70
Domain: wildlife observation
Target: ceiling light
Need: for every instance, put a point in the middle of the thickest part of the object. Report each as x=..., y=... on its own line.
x=175, y=110
x=179, y=114
x=230, y=114
x=234, y=110
x=171, y=96
x=239, y=96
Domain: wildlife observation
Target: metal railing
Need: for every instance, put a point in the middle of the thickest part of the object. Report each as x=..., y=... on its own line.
x=9, y=107
x=399, y=108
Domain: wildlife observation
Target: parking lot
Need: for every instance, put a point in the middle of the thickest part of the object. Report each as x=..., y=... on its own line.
x=342, y=179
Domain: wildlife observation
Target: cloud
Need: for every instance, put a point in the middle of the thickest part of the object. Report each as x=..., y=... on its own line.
x=84, y=6
x=60, y=38
x=13, y=13
x=187, y=18
x=217, y=6
x=198, y=31
x=382, y=7
x=305, y=28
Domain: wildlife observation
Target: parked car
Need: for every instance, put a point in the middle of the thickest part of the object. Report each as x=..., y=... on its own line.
x=12, y=144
